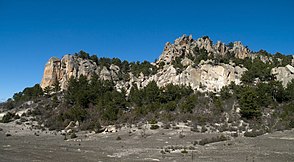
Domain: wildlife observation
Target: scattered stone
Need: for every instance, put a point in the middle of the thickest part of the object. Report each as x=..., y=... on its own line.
x=7, y=134
x=184, y=151
x=72, y=126
x=110, y=129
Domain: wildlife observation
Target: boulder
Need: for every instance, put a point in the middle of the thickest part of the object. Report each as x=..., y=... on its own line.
x=110, y=129
x=283, y=74
x=72, y=126
x=290, y=68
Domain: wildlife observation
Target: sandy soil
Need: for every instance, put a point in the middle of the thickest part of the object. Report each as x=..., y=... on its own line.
x=34, y=145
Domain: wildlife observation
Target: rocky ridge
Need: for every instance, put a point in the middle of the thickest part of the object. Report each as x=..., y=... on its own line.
x=185, y=45
x=205, y=76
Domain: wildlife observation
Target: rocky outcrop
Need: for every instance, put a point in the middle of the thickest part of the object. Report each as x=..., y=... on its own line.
x=179, y=49
x=221, y=48
x=239, y=50
x=284, y=74
x=205, y=76
x=185, y=45
x=61, y=71
x=51, y=72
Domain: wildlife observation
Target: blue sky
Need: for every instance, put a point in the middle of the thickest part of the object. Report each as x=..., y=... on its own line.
x=31, y=31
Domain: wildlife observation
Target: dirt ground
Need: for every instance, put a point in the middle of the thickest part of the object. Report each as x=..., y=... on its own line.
x=35, y=145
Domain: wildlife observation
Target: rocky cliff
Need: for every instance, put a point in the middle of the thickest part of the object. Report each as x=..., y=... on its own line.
x=204, y=76
x=185, y=45
x=61, y=71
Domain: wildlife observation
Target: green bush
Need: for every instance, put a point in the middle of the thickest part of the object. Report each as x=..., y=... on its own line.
x=153, y=121
x=82, y=54
x=249, y=103
x=91, y=124
x=253, y=133
x=154, y=126
x=184, y=151
x=8, y=117
x=225, y=93
x=166, y=126
x=257, y=69
x=145, y=67
x=212, y=140
x=28, y=93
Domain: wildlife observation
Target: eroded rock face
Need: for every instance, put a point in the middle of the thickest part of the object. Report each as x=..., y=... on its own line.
x=51, y=72
x=203, y=77
x=185, y=45
x=221, y=48
x=62, y=70
x=284, y=74
x=240, y=51
x=182, y=47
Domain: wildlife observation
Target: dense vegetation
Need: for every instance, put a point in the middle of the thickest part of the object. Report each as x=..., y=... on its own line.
x=94, y=102
x=29, y=93
x=125, y=67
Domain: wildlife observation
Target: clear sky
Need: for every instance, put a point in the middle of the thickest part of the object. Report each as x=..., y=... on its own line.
x=31, y=31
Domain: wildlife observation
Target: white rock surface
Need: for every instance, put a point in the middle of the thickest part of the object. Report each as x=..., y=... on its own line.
x=284, y=74
x=204, y=77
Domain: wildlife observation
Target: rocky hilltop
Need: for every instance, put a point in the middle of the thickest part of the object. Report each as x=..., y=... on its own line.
x=205, y=75
x=185, y=45
x=252, y=92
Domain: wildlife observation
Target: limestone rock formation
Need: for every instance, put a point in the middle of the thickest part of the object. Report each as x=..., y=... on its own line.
x=185, y=45
x=61, y=71
x=51, y=72
x=204, y=76
x=221, y=48
x=284, y=74
x=240, y=51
